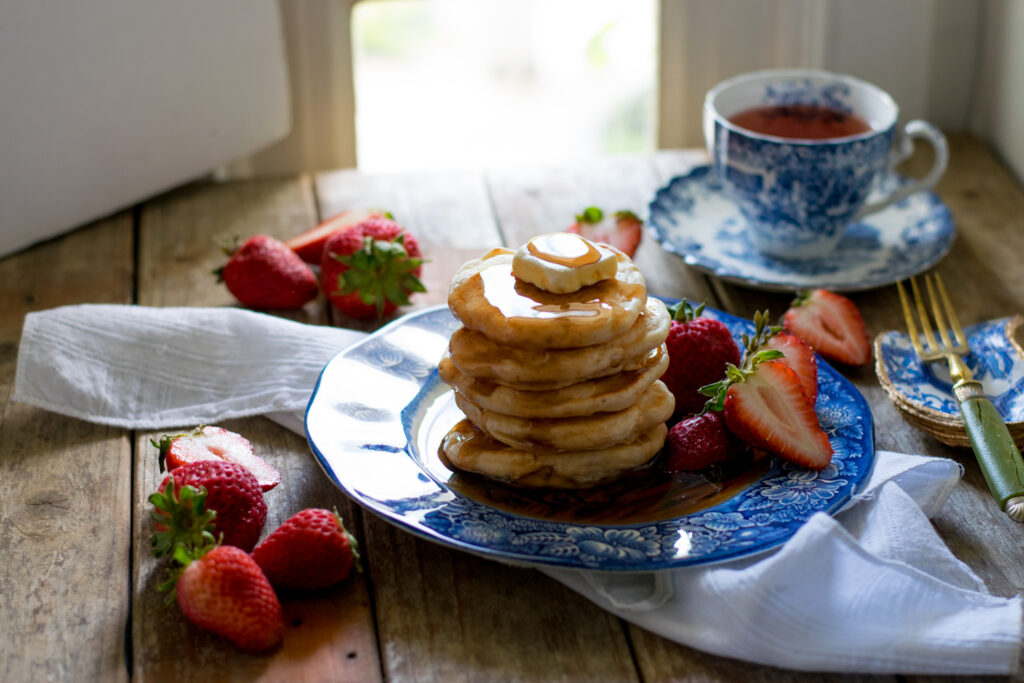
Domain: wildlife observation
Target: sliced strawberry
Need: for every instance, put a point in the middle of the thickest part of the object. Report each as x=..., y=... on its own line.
x=831, y=324
x=309, y=245
x=768, y=409
x=623, y=230
x=215, y=443
x=765, y=404
x=799, y=356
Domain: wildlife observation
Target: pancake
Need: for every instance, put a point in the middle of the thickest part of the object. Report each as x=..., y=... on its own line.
x=468, y=449
x=481, y=357
x=567, y=434
x=485, y=296
x=605, y=394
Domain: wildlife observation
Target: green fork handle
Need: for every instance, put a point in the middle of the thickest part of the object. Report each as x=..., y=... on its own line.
x=998, y=456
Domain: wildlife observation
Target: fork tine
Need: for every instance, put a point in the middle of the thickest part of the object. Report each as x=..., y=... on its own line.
x=954, y=323
x=909, y=317
x=922, y=314
x=940, y=319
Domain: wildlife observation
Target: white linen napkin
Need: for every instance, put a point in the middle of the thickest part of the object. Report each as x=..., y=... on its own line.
x=873, y=589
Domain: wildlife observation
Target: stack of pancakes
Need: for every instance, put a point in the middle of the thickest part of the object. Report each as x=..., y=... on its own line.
x=560, y=389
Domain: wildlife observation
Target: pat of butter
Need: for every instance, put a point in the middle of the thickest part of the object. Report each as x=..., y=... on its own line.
x=563, y=262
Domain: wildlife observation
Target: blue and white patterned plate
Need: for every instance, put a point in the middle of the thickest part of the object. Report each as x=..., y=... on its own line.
x=379, y=411
x=996, y=360
x=692, y=218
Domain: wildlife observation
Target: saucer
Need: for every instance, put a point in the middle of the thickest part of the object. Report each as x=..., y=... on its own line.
x=691, y=217
x=922, y=392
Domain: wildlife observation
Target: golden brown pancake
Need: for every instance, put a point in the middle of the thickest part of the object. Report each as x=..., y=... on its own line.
x=568, y=434
x=467, y=448
x=485, y=296
x=604, y=394
x=480, y=357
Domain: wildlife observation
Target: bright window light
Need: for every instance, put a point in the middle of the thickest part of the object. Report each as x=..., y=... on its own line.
x=469, y=84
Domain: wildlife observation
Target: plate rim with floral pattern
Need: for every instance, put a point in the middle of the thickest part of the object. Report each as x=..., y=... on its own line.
x=361, y=425
x=995, y=360
x=902, y=240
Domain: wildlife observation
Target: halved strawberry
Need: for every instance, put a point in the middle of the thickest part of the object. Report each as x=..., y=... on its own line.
x=623, y=230
x=765, y=404
x=831, y=324
x=215, y=443
x=309, y=245
x=800, y=357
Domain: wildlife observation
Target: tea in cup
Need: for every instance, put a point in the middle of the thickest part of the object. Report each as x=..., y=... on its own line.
x=799, y=151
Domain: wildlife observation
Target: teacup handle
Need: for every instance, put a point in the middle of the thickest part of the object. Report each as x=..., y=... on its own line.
x=913, y=129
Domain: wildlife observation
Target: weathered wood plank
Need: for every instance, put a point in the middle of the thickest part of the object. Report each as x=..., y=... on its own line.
x=64, y=484
x=329, y=636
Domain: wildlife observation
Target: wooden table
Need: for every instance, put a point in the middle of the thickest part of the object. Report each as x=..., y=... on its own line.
x=78, y=599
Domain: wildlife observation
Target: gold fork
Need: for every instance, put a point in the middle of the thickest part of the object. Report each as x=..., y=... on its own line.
x=997, y=455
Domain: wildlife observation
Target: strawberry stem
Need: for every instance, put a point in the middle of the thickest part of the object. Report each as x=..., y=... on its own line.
x=379, y=272
x=753, y=355
x=591, y=214
x=683, y=311
x=164, y=444
x=186, y=519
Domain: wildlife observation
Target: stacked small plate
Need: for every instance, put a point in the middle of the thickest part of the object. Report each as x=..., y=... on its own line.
x=922, y=392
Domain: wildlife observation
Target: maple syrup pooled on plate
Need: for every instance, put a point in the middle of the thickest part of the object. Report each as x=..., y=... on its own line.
x=644, y=495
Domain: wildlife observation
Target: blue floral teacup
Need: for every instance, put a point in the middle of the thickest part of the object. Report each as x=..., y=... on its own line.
x=797, y=194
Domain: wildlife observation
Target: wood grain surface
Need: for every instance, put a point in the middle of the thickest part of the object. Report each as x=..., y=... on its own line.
x=78, y=598
x=65, y=484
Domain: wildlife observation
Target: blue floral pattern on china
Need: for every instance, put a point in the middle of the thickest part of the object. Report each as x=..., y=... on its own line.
x=380, y=465
x=994, y=360
x=798, y=195
x=692, y=218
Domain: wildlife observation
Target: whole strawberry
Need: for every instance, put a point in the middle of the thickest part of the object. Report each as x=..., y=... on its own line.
x=223, y=590
x=232, y=492
x=700, y=441
x=215, y=443
x=265, y=274
x=622, y=230
x=370, y=269
x=699, y=350
x=311, y=550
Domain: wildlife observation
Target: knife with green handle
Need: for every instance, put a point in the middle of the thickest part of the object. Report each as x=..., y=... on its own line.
x=998, y=456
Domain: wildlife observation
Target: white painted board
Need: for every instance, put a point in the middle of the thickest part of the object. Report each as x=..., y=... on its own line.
x=107, y=102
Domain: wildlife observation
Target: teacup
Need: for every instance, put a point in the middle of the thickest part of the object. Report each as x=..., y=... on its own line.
x=798, y=192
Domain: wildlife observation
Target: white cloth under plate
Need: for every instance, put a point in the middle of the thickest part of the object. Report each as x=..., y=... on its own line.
x=873, y=589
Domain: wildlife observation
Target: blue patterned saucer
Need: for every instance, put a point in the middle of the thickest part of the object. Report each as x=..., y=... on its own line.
x=379, y=411
x=922, y=392
x=692, y=218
